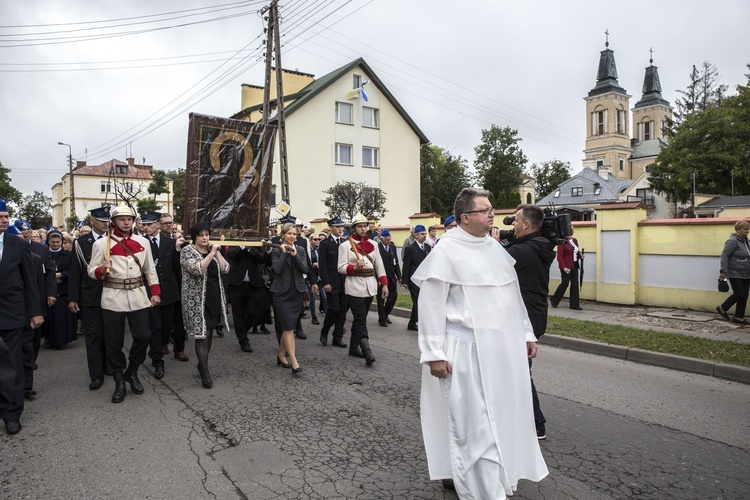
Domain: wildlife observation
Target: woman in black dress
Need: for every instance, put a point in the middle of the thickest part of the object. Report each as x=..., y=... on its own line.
x=203, y=299
x=59, y=327
x=289, y=263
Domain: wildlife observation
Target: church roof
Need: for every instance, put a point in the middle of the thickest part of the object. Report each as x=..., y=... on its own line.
x=589, y=180
x=606, y=76
x=651, y=89
x=644, y=149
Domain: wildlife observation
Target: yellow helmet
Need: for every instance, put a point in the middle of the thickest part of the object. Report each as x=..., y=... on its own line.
x=359, y=219
x=122, y=209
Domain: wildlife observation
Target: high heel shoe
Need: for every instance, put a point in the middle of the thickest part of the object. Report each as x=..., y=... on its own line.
x=295, y=371
x=205, y=377
x=283, y=365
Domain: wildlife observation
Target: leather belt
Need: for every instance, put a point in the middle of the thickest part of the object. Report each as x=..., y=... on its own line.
x=366, y=272
x=124, y=284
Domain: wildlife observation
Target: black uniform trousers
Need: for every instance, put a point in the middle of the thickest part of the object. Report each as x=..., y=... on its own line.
x=414, y=318
x=571, y=279
x=114, y=337
x=386, y=306
x=14, y=341
x=29, y=357
x=338, y=304
x=178, y=331
x=359, y=307
x=93, y=330
x=249, y=307
x=160, y=321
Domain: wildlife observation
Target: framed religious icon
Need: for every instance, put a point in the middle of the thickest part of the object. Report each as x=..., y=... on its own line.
x=228, y=177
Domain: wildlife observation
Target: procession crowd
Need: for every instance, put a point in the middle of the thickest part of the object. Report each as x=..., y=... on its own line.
x=168, y=287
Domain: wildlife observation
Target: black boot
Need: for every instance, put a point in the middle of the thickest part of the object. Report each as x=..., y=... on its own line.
x=355, y=351
x=131, y=377
x=119, y=395
x=369, y=358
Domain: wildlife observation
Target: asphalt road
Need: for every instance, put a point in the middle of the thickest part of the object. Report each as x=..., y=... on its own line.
x=617, y=429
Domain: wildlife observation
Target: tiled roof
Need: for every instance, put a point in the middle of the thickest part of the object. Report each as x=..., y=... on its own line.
x=587, y=178
x=726, y=201
x=109, y=168
x=317, y=86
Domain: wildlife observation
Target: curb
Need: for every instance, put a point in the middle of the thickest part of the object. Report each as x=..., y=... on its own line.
x=683, y=363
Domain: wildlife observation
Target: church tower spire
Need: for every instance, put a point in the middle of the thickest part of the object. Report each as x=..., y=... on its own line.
x=607, y=121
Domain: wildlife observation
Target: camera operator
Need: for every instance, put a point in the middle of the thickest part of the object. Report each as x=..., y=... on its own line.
x=534, y=254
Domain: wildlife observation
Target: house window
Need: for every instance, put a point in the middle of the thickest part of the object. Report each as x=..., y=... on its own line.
x=577, y=191
x=356, y=81
x=370, y=157
x=646, y=195
x=557, y=194
x=129, y=187
x=599, y=122
x=344, y=113
x=344, y=154
x=528, y=198
x=121, y=169
x=621, y=121
x=597, y=189
x=622, y=165
x=599, y=164
x=65, y=187
x=646, y=130
x=105, y=187
x=370, y=117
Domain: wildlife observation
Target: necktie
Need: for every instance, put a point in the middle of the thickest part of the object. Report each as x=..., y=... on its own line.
x=154, y=247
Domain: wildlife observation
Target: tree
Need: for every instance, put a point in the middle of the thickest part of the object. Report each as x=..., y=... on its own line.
x=147, y=205
x=548, y=175
x=711, y=143
x=159, y=183
x=499, y=160
x=8, y=193
x=35, y=209
x=178, y=192
x=442, y=176
x=514, y=199
x=703, y=92
x=346, y=199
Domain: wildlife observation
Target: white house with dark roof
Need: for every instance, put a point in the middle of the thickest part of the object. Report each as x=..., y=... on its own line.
x=344, y=126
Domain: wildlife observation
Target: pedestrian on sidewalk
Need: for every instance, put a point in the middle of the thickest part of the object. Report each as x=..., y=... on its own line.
x=570, y=260
x=735, y=266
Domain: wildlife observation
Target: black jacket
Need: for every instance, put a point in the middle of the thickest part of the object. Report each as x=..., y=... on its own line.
x=19, y=296
x=328, y=264
x=49, y=267
x=247, y=261
x=413, y=257
x=534, y=255
x=390, y=262
x=81, y=288
x=61, y=263
x=167, y=264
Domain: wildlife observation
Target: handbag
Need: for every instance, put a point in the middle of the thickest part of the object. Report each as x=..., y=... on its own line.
x=723, y=286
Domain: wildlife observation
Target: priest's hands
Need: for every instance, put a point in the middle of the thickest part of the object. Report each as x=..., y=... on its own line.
x=531, y=349
x=440, y=369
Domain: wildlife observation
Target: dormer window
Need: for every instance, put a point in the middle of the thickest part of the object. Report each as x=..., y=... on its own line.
x=557, y=194
x=597, y=189
x=121, y=169
x=576, y=191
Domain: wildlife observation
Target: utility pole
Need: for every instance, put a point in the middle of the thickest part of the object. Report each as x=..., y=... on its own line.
x=72, y=183
x=273, y=42
x=693, y=176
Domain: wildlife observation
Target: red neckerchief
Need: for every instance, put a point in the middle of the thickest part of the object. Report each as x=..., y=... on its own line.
x=363, y=244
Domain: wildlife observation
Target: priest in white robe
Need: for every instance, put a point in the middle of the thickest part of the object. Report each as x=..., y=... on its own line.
x=474, y=338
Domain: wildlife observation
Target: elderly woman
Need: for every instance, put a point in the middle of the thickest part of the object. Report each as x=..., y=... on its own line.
x=68, y=242
x=59, y=327
x=204, y=304
x=735, y=265
x=289, y=264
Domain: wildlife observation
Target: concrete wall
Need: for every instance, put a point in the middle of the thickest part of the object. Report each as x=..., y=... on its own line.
x=657, y=262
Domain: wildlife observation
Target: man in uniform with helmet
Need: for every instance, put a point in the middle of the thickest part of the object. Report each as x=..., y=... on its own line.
x=121, y=261
x=360, y=261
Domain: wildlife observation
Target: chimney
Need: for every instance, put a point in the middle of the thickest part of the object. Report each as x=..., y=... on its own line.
x=131, y=162
x=80, y=164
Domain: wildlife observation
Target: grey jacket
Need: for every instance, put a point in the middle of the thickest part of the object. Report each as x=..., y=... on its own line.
x=735, y=258
x=285, y=268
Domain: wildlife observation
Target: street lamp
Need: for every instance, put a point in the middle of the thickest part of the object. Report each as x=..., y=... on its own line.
x=70, y=171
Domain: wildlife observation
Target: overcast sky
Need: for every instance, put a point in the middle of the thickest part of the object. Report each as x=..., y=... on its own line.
x=456, y=67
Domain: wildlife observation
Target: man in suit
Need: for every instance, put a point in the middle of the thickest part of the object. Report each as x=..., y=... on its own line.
x=333, y=284
x=166, y=255
x=414, y=254
x=85, y=296
x=247, y=291
x=20, y=303
x=313, y=275
x=393, y=272
x=50, y=289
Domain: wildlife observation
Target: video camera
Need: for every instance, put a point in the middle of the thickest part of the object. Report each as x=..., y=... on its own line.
x=554, y=227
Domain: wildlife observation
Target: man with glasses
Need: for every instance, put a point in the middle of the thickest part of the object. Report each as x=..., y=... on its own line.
x=167, y=225
x=475, y=338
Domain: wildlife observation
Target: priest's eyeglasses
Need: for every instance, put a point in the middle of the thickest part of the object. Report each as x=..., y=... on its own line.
x=486, y=211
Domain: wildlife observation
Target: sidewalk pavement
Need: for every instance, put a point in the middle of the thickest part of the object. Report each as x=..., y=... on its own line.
x=694, y=323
